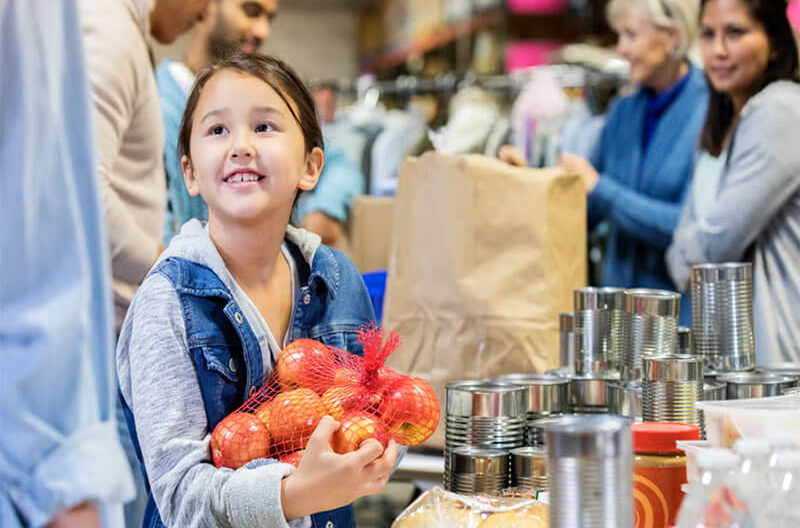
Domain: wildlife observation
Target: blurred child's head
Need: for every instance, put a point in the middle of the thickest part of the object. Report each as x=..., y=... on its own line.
x=250, y=138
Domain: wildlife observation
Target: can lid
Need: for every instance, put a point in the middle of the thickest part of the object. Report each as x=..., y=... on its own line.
x=660, y=437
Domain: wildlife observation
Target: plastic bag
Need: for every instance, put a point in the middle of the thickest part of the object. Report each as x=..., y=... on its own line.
x=311, y=380
x=437, y=508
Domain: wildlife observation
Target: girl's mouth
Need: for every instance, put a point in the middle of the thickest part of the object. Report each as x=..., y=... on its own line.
x=243, y=177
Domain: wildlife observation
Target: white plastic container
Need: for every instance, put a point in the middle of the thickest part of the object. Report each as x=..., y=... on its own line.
x=727, y=421
x=692, y=448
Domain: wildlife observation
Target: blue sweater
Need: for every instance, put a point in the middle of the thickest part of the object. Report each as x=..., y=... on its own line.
x=641, y=191
x=181, y=206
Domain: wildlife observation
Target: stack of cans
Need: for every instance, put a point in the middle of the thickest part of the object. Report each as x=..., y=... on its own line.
x=722, y=315
x=685, y=343
x=590, y=471
x=589, y=394
x=652, y=328
x=479, y=470
x=671, y=386
x=625, y=399
x=484, y=414
x=547, y=397
x=599, y=327
x=714, y=390
x=529, y=468
x=786, y=369
x=742, y=385
x=566, y=341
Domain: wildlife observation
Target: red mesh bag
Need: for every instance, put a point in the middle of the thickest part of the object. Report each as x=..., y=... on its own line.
x=311, y=380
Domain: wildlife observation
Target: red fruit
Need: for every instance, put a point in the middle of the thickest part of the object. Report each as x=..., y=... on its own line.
x=355, y=427
x=293, y=415
x=337, y=400
x=387, y=376
x=292, y=458
x=410, y=410
x=238, y=439
x=303, y=363
x=262, y=413
x=341, y=399
x=346, y=376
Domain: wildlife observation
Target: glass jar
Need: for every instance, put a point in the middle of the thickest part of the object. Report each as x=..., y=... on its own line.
x=659, y=471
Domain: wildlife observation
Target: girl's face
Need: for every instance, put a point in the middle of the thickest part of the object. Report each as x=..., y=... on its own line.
x=248, y=157
x=646, y=47
x=735, y=48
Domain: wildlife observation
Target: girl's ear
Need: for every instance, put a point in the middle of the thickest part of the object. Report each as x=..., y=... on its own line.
x=189, y=177
x=314, y=161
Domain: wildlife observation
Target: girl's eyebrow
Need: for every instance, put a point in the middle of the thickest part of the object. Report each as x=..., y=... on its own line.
x=266, y=110
x=214, y=113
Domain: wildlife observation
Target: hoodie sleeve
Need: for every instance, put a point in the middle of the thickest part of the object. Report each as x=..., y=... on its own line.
x=112, y=73
x=761, y=176
x=159, y=383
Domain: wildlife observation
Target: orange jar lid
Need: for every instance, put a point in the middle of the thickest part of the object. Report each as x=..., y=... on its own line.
x=660, y=437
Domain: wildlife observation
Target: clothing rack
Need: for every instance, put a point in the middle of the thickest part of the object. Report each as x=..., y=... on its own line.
x=568, y=75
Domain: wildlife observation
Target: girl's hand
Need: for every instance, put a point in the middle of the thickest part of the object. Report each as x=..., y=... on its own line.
x=325, y=480
x=578, y=165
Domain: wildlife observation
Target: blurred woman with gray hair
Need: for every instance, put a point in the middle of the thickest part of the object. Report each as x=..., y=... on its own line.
x=639, y=173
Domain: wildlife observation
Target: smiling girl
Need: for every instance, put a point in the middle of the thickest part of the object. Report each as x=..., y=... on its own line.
x=208, y=322
x=744, y=203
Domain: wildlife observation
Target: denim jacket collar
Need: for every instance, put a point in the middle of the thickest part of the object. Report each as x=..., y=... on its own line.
x=194, y=244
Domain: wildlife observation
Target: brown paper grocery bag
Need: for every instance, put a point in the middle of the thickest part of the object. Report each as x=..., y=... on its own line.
x=484, y=258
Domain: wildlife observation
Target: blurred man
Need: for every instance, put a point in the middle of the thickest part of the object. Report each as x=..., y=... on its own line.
x=61, y=462
x=228, y=26
x=129, y=143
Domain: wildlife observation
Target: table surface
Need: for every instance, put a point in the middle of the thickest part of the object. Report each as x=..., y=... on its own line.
x=424, y=467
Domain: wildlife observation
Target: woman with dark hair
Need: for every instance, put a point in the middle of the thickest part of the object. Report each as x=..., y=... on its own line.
x=744, y=204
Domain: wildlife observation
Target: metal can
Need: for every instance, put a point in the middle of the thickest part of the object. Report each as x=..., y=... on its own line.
x=590, y=471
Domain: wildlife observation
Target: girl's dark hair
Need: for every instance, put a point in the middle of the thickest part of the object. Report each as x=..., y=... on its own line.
x=783, y=64
x=278, y=75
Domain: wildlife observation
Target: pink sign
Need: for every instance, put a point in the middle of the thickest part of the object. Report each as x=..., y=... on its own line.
x=522, y=54
x=793, y=14
x=537, y=6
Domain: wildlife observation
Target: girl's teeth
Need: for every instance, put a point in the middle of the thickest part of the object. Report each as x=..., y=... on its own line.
x=240, y=178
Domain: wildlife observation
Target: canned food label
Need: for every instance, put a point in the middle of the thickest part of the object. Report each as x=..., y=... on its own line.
x=657, y=495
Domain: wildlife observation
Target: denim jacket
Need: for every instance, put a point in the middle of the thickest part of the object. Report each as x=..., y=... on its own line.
x=331, y=307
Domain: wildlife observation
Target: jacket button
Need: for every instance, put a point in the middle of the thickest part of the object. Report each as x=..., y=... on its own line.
x=252, y=391
x=306, y=300
x=232, y=365
x=238, y=317
x=329, y=524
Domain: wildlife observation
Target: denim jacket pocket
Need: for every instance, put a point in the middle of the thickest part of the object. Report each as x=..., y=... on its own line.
x=219, y=370
x=219, y=359
x=343, y=336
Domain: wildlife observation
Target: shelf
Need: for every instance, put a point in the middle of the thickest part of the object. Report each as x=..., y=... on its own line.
x=436, y=39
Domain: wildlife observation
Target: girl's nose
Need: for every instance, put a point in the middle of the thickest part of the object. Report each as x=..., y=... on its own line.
x=242, y=149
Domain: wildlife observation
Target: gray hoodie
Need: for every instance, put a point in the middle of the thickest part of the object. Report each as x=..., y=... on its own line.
x=755, y=216
x=159, y=383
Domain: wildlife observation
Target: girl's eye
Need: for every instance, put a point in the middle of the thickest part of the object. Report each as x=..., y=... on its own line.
x=216, y=130
x=264, y=127
x=706, y=34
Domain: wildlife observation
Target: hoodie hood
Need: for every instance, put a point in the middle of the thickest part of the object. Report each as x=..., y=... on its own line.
x=194, y=244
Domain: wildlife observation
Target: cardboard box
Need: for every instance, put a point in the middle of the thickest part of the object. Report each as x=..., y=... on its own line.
x=371, y=228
